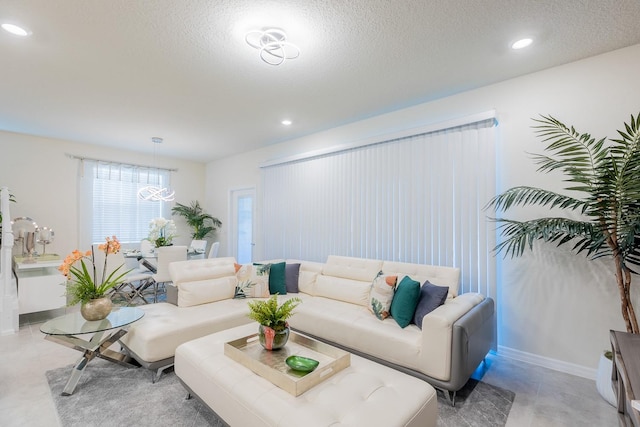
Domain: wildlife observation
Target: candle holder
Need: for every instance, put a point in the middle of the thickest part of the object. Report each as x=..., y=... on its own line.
x=44, y=236
x=21, y=228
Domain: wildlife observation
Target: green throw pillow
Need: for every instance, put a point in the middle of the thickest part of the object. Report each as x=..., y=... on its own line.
x=405, y=300
x=277, y=282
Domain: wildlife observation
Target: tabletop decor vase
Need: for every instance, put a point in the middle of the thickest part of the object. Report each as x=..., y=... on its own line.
x=89, y=281
x=273, y=331
x=271, y=339
x=96, y=309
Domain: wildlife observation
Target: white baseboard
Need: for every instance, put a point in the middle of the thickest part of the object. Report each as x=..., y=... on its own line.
x=547, y=362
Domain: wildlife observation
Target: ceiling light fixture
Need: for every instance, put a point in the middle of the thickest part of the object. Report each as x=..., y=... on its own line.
x=273, y=45
x=155, y=193
x=15, y=30
x=286, y=122
x=522, y=43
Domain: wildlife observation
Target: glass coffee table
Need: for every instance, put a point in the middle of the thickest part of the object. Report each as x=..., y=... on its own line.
x=65, y=329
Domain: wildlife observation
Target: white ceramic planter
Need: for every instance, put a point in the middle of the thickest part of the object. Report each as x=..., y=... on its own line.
x=603, y=380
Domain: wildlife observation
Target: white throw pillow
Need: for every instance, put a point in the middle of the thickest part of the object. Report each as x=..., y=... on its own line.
x=253, y=281
x=381, y=294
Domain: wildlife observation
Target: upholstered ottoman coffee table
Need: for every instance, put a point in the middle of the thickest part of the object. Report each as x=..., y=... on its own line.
x=363, y=394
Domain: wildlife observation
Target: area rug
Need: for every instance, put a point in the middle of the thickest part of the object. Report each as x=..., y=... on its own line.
x=110, y=395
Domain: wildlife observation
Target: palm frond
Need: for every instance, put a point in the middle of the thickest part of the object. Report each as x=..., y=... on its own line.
x=577, y=155
x=523, y=196
x=520, y=235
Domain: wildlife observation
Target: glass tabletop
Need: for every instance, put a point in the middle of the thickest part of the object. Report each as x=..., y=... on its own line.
x=74, y=323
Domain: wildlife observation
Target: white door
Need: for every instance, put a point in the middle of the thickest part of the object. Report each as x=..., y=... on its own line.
x=242, y=220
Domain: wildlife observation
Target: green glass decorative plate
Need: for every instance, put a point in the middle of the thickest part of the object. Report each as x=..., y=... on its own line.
x=303, y=364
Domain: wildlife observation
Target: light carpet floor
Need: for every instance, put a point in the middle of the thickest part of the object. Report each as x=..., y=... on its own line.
x=112, y=395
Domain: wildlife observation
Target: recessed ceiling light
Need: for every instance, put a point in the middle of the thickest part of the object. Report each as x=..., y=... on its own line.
x=286, y=122
x=16, y=30
x=522, y=43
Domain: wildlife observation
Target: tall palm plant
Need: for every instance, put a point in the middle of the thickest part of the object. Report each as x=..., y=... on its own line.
x=202, y=223
x=607, y=175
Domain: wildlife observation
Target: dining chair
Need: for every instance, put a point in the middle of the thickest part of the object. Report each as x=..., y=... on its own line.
x=167, y=255
x=197, y=248
x=134, y=283
x=146, y=246
x=213, y=252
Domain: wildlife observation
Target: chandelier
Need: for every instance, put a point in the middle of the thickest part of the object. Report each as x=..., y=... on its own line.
x=156, y=193
x=273, y=45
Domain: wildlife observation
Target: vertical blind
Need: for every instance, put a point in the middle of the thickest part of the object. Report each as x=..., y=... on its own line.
x=416, y=199
x=109, y=203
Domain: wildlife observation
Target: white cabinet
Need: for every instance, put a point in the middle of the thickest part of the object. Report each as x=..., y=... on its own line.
x=40, y=285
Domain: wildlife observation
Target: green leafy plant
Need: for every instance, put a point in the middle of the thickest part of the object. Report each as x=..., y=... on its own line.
x=268, y=313
x=202, y=223
x=607, y=175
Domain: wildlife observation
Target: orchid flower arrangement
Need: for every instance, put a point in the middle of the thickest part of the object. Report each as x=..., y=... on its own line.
x=162, y=231
x=82, y=283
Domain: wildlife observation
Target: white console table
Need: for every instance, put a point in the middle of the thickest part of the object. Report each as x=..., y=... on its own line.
x=40, y=284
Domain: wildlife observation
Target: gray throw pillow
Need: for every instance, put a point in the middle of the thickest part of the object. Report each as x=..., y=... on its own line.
x=291, y=275
x=431, y=297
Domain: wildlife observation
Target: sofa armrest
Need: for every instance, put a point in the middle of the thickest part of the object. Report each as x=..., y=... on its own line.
x=474, y=334
x=437, y=334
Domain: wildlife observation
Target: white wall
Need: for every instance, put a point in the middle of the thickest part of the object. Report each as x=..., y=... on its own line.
x=553, y=304
x=43, y=180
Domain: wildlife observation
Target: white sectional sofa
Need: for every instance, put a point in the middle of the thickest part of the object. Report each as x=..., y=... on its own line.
x=454, y=339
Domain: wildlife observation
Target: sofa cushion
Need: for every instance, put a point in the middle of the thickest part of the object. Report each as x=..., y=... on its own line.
x=291, y=275
x=203, y=281
x=165, y=326
x=405, y=300
x=431, y=297
x=200, y=269
x=444, y=276
x=352, y=268
x=347, y=290
x=205, y=291
x=381, y=294
x=356, y=328
x=253, y=281
x=309, y=271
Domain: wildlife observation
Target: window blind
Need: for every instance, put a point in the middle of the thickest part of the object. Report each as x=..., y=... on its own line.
x=109, y=203
x=414, y=199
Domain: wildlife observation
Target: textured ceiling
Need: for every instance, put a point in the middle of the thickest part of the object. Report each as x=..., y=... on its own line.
x=119, y=72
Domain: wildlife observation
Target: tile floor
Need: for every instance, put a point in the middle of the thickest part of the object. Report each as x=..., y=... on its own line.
x=544, y=397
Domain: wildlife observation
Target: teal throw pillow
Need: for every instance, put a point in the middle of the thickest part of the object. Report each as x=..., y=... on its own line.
x=405, y=300
x=277, y=279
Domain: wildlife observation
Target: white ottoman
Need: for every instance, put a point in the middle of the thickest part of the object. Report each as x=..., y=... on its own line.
x=364, y=394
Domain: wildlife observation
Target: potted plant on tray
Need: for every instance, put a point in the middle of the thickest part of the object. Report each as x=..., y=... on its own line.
x=82, y=284
x=274, y=329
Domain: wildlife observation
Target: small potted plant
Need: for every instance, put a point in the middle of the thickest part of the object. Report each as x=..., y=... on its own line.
x=274, y=329
x=83, y=285
x=161, y=232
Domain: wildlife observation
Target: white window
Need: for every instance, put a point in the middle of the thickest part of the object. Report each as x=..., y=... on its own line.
x=109, y=203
